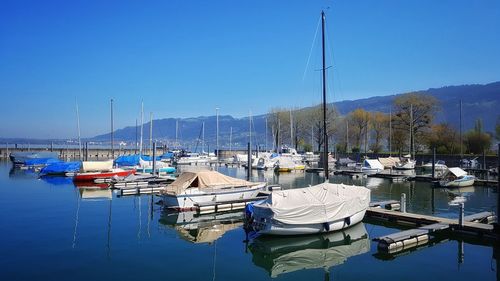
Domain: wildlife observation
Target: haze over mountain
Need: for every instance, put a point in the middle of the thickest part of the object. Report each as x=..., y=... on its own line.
x=478, y=101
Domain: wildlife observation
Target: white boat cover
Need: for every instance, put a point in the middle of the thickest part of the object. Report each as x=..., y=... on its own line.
x=95, y=166
x=204, y=179
x=457, y=172
x=149, y=164
x=388, y=162
x=373, y=164
x=286, y=162
x=320, y=203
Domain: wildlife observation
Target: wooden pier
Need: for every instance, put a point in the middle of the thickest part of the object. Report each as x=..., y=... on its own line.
x=427, y=227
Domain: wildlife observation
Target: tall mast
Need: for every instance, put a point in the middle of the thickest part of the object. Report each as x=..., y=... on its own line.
x=112, y=133
x=266, y=135
x=291, y=128
x=411, y=130
x=151, y=133
x=250, y=134
x=325, y=136
x=202, y=136
x=217, y=133
x=347, y=136
x=390, y=132
x=142, y=126
x=231, y=139
x=461, y=149
x=136, y=138
x=78, y=128
x=176, y=132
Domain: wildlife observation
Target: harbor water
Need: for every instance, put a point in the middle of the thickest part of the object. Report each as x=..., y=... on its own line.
x=52, y=230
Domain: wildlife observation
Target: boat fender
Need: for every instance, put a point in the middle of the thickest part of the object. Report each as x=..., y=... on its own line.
x=347, y=221
x=326, y=226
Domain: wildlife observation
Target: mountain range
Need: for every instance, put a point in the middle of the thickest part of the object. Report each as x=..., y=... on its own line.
x=478, y=101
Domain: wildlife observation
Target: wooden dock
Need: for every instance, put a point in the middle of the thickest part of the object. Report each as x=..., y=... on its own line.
x=427, y=226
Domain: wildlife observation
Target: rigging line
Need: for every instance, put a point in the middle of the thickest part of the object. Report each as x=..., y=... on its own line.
x=310, y=51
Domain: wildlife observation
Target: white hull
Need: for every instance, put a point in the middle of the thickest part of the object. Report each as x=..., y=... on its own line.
x=458, y=183
x=437, y=167
x=276, y=228
x=194, y=196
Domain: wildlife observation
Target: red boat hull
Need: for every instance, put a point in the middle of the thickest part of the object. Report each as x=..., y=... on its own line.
x=102, y=175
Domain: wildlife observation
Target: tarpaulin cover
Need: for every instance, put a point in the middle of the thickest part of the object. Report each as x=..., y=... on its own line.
x=320, y=203
x=457, y=172
x=389, y=162
x=40, y=161
x=204, y=179
x=373, y=164
x=92, y=166
x=167, y=155
x=61, y=168
x=133, y=160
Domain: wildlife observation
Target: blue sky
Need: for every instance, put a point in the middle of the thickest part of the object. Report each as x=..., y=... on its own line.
x=185, y=58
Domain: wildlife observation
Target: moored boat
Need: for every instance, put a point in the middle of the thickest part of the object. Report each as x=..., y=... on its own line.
x=191, y=189
x=92, y=170
x=456, y=177
x=320, y=208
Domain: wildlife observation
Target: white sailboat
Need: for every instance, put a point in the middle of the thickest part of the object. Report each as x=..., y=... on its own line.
x=315, y=209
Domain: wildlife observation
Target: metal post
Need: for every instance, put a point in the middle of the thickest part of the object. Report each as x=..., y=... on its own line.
x=433, y=162
x=403, y=203
x=249, y=159
x=154, y=158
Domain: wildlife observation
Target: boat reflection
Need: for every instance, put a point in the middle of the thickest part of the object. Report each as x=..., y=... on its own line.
x=53, y=180
x=279, y=255
x=22, y=174
x=207, y=228
x=94, y=191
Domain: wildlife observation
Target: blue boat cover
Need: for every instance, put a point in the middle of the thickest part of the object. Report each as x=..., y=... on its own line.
x=40, y=161
x=61, y=168
x=167, y=155
x=133, y=160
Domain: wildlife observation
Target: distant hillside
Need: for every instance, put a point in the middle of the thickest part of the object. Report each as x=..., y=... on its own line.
x=478, y=101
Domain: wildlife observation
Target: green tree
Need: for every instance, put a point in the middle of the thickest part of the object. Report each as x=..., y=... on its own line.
x=414, y=111
x=476, y=141
x=444, y=138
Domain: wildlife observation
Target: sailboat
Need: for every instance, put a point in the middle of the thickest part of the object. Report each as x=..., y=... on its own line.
x=406, y=162
x=315, y=209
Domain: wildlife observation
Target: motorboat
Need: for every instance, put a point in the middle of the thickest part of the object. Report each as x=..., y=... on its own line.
x=287, y=164
x=193, y=188
x=19, y=158
x=471, y=164
x=456, y=177
x=61, y=168
x=438, y=166
x=346, y=162
x=406, y=163
x=92, y=170
x=315, y=209
x=283, y=255
x=389, y=162
x=371, y=166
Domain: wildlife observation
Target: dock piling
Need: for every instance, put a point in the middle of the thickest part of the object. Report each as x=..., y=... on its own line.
x=403, y=203
x=461, y=215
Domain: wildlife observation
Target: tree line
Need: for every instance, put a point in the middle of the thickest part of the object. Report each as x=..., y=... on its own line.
x=408, y=127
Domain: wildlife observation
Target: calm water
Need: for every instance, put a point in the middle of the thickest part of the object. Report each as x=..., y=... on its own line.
x=53, y=230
